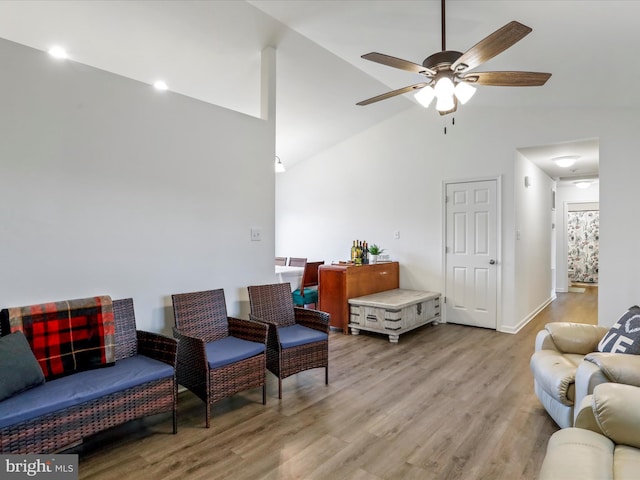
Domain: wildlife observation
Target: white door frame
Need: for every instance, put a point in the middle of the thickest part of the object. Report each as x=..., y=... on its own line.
x=498, y=180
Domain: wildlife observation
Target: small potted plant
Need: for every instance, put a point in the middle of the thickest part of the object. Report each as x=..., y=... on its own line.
x=374, y=251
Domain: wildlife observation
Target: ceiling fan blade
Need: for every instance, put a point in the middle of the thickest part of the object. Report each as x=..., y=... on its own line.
x=508, y=79
x=490, y=46
x=393, y=93
x=398, y=63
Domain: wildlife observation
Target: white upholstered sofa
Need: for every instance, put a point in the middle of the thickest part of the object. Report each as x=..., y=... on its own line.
x=605, y=442
x=567, y=366
x=560, y=348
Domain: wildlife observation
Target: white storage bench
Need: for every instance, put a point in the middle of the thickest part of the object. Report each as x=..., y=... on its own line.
x=393, y=312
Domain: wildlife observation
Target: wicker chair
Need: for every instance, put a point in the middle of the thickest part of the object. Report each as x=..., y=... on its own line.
x=218, y=356
x=298, y=338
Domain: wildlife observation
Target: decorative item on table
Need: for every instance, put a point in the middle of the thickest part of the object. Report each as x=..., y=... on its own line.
x=375, y=251
x=360, y=252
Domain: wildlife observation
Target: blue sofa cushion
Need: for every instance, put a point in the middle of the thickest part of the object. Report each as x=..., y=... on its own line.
x=310, y=296
x=230, y=350
x=296, y=335
x=81, y=387
x=19, y=368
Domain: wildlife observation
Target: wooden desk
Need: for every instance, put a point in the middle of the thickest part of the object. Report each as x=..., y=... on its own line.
x=339, y=283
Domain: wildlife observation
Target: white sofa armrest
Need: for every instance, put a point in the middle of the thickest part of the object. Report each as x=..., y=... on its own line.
x=617, y=367
x=544, y=341
x=588, y=376
x=577, y=454
x=615, y=408
x=585, y=417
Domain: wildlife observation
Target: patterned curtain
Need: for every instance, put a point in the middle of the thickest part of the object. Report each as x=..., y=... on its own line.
x=583, y=234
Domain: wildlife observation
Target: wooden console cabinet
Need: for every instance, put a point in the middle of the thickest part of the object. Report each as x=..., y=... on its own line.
x=338, y=283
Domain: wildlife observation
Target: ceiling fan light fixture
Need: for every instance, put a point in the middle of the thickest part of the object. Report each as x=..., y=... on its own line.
x=444, y=88
x=565, y=161
x=425, y=96
x=445, y=104
x=464, y=92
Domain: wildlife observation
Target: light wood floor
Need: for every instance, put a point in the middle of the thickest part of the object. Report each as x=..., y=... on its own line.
x=447, y=402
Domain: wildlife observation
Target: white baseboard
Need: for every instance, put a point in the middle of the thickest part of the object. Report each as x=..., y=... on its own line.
x=516, y=328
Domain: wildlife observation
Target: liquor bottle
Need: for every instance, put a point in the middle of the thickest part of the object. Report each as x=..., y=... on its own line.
x=365, y=252
x=353, y=251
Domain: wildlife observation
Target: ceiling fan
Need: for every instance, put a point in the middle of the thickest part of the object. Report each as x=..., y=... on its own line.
x=448, y=75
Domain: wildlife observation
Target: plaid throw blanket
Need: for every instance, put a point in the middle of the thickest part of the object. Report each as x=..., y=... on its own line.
x=66, y=336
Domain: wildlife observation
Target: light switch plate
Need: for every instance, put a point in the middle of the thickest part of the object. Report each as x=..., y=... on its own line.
x=256, y=234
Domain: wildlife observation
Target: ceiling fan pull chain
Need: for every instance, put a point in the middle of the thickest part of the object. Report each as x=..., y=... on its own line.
x=445, y=125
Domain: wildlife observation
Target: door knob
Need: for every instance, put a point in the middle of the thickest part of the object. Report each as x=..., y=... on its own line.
x=492, y=262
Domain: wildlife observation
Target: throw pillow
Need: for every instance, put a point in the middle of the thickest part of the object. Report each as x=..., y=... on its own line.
x=624, y=336
x=19, y=369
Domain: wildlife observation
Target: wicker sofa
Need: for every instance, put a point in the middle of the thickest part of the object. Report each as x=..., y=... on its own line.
x=59, y=413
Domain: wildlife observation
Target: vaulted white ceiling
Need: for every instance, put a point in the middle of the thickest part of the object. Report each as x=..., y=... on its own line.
x=210, y=50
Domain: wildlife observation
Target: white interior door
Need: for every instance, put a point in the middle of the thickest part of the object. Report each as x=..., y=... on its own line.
x=471, y=253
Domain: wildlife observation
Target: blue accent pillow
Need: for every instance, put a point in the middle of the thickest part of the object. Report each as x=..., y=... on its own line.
x=19, y=369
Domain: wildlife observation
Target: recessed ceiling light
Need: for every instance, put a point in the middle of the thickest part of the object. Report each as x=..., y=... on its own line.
x=58, y=52
x=161, y=85
x=566, y=160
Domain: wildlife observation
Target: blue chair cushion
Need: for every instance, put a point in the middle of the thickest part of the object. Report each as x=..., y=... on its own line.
x=230, y=350
x=296, y=335
x=310, y=296
x=81, y=387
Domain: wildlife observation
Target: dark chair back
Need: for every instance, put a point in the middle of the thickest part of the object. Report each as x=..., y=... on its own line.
x=297, y=262
x=272, y=303
x=201, y=314
x=310, y=275
x=281, y=261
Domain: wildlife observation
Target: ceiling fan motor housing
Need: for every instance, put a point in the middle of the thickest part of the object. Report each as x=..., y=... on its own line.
x=441, y=60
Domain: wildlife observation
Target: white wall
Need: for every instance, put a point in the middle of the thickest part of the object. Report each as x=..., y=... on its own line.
x=533, y=232
x=619, y=231
x=390, y=178
x=567, y=195
x=109, y=187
